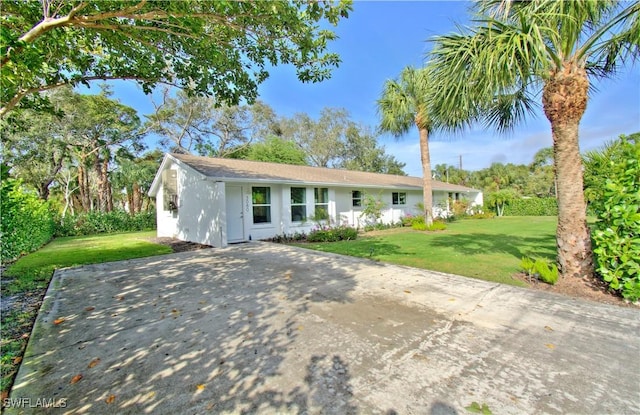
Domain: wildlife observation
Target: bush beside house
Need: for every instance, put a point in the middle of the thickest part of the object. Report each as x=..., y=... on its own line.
x=26, y=223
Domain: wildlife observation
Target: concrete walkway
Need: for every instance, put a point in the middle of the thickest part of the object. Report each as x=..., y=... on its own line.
x=264, y=328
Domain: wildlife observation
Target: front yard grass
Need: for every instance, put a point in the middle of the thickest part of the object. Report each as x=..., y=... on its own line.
x=29, y=277
x=487, y=249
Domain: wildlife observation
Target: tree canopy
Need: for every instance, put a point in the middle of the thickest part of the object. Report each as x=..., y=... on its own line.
x=220, y=48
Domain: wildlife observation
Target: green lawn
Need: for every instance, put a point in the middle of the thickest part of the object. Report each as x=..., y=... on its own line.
x=31, y=275
x=487, y=249
x=34, y=270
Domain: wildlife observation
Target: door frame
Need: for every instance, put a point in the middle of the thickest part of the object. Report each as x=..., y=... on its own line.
x=240, y=194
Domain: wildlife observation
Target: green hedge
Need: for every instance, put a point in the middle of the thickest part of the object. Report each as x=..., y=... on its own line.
x=617, y=205
x=26, y=222
x=98, y=222
x=535, y=206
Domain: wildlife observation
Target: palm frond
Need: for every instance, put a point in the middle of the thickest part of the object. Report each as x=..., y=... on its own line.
x=402, y=102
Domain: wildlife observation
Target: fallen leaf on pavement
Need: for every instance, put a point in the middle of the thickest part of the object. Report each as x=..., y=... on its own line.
x=201, y=387
x=407, y=291
x=76, y=378
x=89, y=309
x=17, y=360
x=550, y=346
x=94, y=362
x=58, y=321
x=110, y=399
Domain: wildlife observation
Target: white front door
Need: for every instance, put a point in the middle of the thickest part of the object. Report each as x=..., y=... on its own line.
x=235, y=216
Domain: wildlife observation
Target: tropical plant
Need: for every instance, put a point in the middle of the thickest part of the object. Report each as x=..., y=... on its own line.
x=613, y=183
x=540, y=269
x=491, y=73
x=500, y=199
x=372, y=208
x=402, y=105
x=207, y=47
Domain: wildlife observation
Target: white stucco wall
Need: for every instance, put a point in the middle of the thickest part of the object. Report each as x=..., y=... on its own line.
x=201, y=210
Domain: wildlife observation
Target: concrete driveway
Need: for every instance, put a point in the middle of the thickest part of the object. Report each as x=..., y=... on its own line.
x=264, y=328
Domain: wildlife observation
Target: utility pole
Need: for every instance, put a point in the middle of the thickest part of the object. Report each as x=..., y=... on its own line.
x=460, y=162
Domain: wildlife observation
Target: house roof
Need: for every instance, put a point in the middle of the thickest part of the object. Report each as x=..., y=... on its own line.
x=244, y=170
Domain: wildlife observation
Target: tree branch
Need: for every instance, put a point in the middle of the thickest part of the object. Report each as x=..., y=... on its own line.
x=21, y=94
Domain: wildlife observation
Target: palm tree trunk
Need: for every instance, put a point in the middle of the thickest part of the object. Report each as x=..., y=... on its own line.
x=426, y=176
x=564, y=101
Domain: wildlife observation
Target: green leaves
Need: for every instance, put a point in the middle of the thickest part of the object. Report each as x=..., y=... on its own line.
x=207, y=47
x=614, y=179
x=26, y=222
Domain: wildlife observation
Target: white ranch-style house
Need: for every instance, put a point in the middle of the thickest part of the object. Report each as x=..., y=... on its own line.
x=216, y=201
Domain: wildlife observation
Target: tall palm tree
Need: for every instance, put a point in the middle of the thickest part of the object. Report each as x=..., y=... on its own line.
x=402, y=105
x=492, y=72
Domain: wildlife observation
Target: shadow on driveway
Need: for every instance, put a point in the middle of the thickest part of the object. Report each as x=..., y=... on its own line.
x=264, y=328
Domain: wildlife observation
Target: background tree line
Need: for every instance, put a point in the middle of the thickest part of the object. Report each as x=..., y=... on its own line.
x=92, y=153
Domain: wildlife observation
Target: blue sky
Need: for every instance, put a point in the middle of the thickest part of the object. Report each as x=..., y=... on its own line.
x=381, y=38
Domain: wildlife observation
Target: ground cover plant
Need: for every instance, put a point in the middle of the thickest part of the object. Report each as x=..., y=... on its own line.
x=31, y=274
x=489, y=249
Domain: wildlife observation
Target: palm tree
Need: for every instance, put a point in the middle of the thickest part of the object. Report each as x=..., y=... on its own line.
x=402, y=105
x=491, y=73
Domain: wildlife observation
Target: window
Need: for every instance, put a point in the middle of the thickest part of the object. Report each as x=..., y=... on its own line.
x=322, y=203
x=298, y=204
x=356, y=198
x=170, y=190
x=399, y=198
x=261, y=198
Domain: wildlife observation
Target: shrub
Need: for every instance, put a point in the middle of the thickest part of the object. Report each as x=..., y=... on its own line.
x=459, y=208
x=98, y=222
x=26, y=222
x=616, y=201
x=535, y=206
x=372, y=209
x=409, y=219
x=540, y=269
x=420, y=225
x=332, y=234
x=288, y=238
x=437, y=225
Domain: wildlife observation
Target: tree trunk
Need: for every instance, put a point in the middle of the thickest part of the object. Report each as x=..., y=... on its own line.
x=564, y=101
x=107, y=184
x=136, y=199
x=426, y=175
x=83, y=187
x=101, y=167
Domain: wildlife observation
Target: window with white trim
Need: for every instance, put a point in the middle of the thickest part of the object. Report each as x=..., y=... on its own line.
x=321, y=196
x=298, y=204
x=261, y=198
x=356, y=198
x=398, y=198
